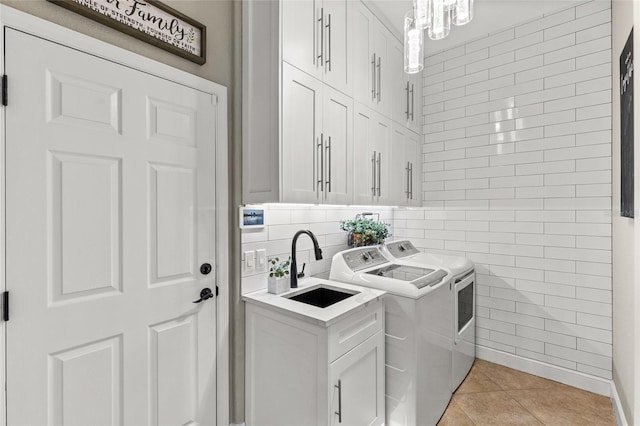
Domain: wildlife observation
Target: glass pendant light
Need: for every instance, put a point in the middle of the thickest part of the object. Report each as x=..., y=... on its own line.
x=441, y=20
x=413, y=42
x=463, y=13
x=450, y=4
x=421, y=13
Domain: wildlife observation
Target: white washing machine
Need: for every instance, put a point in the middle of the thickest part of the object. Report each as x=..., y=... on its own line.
x=464, y=319
x=418, y=314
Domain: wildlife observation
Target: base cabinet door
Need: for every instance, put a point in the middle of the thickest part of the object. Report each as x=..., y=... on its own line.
x=356, y=382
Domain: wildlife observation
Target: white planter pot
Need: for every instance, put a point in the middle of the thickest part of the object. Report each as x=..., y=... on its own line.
x=278, y=285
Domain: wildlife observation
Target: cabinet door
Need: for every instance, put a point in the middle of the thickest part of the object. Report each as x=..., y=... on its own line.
x=413, y=154
x=362, y=48
x=384, y=74
x=356, y=382
x=302, y=31
x=337, y=130
x=363, y=156
x=337, y=63
x=415, y=103
x=300, y=149
x=382, y=145
x=400, y=179
x=400, y=89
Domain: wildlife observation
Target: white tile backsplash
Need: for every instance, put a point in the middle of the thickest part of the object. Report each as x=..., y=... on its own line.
x=523, y=161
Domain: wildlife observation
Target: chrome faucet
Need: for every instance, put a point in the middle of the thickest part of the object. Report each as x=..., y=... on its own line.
x=294, y=266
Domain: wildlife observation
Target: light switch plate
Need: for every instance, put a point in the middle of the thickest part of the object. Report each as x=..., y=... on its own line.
x=249, y=260
x=262, y=260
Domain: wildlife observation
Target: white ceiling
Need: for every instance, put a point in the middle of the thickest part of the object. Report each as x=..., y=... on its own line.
x=490, y=16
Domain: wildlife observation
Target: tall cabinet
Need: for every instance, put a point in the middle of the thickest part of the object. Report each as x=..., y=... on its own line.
x=323, y=86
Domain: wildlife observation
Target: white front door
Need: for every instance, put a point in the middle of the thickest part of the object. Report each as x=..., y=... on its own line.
x=110, y=201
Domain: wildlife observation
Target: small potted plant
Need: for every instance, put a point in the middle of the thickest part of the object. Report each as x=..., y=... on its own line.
x=278, y=276
x=364, y=231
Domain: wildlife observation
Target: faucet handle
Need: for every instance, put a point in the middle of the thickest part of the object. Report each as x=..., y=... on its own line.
x=301, y=273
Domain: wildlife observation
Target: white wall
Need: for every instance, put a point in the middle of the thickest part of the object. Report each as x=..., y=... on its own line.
x=285, y=220
x=625, y=293
x=517, y=176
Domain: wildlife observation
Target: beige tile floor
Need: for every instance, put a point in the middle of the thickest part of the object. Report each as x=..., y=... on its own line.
x=496, y=395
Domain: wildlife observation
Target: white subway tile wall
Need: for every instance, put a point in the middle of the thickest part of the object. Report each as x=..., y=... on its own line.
x=517, y=177
x=284, y=220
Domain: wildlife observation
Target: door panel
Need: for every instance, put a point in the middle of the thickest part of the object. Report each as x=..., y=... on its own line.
x=301, y=150
x=363, y=148
x=399, y=168
x=363, y=22
x=384, y=67
x=337, y=72
x=337, y=119
x=382, y=141
x=301, y=35
x=110, y=193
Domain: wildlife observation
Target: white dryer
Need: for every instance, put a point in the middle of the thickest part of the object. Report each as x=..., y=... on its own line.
x=464, y=319
x=418, y=312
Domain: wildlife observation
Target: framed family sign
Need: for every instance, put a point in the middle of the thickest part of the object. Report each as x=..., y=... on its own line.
x=627, y=208
x=147, y=20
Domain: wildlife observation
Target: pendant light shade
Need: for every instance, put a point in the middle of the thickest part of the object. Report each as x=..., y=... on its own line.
x=421, y=13
x=450, y=4
x=463, y=12
x=441, y=20
x=413, y=45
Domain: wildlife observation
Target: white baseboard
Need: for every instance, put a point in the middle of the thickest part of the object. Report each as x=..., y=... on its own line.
x=621, y=420
x=551, y=372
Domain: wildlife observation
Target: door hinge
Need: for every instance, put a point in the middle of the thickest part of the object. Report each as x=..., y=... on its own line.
x=217, y=290
x=5, y=306
x=5, y=97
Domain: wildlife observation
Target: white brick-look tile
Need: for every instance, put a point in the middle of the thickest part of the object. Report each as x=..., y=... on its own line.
x=518, y=154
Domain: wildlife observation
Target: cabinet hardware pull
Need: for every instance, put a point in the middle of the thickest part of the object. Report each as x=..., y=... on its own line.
x=379, y=78
x=339, y=412
x=328, y=152
x=406, y=187
x=413, y=106
x=373, y=78
x=321, y=21
x=411, y=186
x=373, y=174
x=407, y=110
x=328, y=61
x=379, y=172
x=320, y=182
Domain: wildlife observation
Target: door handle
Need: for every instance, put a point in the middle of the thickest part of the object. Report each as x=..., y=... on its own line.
x=379, y=173
x=406, y=187
x=320, y=147
x=373, y=174
x=328, y=26
x=205, y=294
x=407, y=110
x=339, y=412
x=379, y=78
x=328, y=161
x=411, y=186
x=413, y=106
x=373, y=78
x=321, y=32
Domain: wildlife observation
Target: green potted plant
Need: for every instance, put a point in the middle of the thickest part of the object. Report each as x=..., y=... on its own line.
x=364, y=231
x=278, y=281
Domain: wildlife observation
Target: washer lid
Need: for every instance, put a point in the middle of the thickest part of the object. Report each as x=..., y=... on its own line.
x=420, y=277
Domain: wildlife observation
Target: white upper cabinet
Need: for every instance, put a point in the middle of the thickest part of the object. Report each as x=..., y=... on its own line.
x=406, y=167
x=372, y=65
x=372, y=161
x=316, y=141
x=314, y=39
x=406, y=92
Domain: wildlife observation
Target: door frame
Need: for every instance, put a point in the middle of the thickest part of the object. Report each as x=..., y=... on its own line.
x=12, y=18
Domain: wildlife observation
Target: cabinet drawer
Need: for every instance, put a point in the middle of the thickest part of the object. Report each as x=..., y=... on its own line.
x=355, y=329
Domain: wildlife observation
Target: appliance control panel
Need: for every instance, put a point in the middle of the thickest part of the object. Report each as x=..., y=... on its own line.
x=365, y=257
x=400, y=249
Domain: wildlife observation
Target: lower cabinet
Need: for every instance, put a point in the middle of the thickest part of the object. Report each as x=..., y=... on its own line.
x=302, y=373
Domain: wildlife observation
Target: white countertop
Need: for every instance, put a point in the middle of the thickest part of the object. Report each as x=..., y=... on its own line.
x=320, y=316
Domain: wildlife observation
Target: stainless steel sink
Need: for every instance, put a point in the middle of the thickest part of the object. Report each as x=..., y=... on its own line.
x=321, y=296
